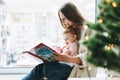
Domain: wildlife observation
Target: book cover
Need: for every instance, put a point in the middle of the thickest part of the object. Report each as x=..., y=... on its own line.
x=43, y=52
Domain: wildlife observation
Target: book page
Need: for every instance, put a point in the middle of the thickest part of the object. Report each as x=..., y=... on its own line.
x=44, y=52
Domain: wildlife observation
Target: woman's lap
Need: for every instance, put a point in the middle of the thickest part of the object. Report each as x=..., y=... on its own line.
x=53, y=71
x=57, y=71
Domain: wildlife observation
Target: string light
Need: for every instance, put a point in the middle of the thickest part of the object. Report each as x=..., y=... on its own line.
x=85, y=27
x=100, y=20
x=108, y=1
x=86, y=38
x=109, y=47
x=89, y=68
x=114, y=4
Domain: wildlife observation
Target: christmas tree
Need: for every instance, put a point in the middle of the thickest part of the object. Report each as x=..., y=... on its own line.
x=104, y=44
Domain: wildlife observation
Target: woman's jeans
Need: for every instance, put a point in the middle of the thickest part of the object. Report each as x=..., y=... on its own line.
x=52, y=71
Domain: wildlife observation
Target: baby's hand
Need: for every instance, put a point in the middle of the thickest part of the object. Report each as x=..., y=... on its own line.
x=58, y=49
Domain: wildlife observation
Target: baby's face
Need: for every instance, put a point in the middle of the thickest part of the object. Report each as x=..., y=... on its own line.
x=69, y=37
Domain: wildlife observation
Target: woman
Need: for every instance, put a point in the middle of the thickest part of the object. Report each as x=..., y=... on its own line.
x=69, y=16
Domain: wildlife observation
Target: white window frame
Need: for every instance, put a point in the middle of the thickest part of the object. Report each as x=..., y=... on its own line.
x=23, y=70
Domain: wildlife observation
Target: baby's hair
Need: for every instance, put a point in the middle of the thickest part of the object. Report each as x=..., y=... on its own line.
x=73, y=30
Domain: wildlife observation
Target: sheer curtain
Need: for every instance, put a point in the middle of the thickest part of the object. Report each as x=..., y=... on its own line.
x=26, y=23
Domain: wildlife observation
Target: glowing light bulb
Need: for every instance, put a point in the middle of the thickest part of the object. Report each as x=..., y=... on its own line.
x=89, y=68
x=100, y=20
x=108, y=48
x=114, y=4
x=85, y=27
x=86, y=37
x=108, y=1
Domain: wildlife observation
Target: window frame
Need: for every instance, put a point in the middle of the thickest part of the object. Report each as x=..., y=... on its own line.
x=24, y=70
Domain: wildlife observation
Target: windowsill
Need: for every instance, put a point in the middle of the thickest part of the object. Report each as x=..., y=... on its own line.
x=15, y=70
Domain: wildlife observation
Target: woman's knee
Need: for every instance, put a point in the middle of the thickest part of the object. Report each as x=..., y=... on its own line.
x=35, y=74
x=58, y=71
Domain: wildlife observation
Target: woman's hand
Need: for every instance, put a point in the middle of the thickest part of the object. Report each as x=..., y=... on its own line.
x=67, y=52
x=61, y=57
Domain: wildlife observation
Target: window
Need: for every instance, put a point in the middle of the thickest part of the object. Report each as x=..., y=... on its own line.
x=25, y=23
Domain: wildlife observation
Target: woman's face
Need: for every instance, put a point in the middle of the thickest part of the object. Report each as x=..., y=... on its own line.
x=65, y=22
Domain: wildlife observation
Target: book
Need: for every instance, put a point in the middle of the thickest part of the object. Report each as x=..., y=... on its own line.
x=43, y=52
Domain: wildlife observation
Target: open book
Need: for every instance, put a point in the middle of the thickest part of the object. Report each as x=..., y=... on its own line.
x=43, y=52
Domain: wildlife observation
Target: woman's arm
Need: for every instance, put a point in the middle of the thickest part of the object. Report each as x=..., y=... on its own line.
x=69, y=59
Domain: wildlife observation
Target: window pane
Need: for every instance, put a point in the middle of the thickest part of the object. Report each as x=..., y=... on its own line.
x=26, y=23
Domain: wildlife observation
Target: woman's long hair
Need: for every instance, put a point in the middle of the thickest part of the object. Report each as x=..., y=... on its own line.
x=71, y=12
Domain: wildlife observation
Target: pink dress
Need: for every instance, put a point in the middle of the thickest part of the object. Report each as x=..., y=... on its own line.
x=71, y=49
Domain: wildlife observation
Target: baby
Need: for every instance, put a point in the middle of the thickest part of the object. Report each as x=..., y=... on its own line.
x=71, y=36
